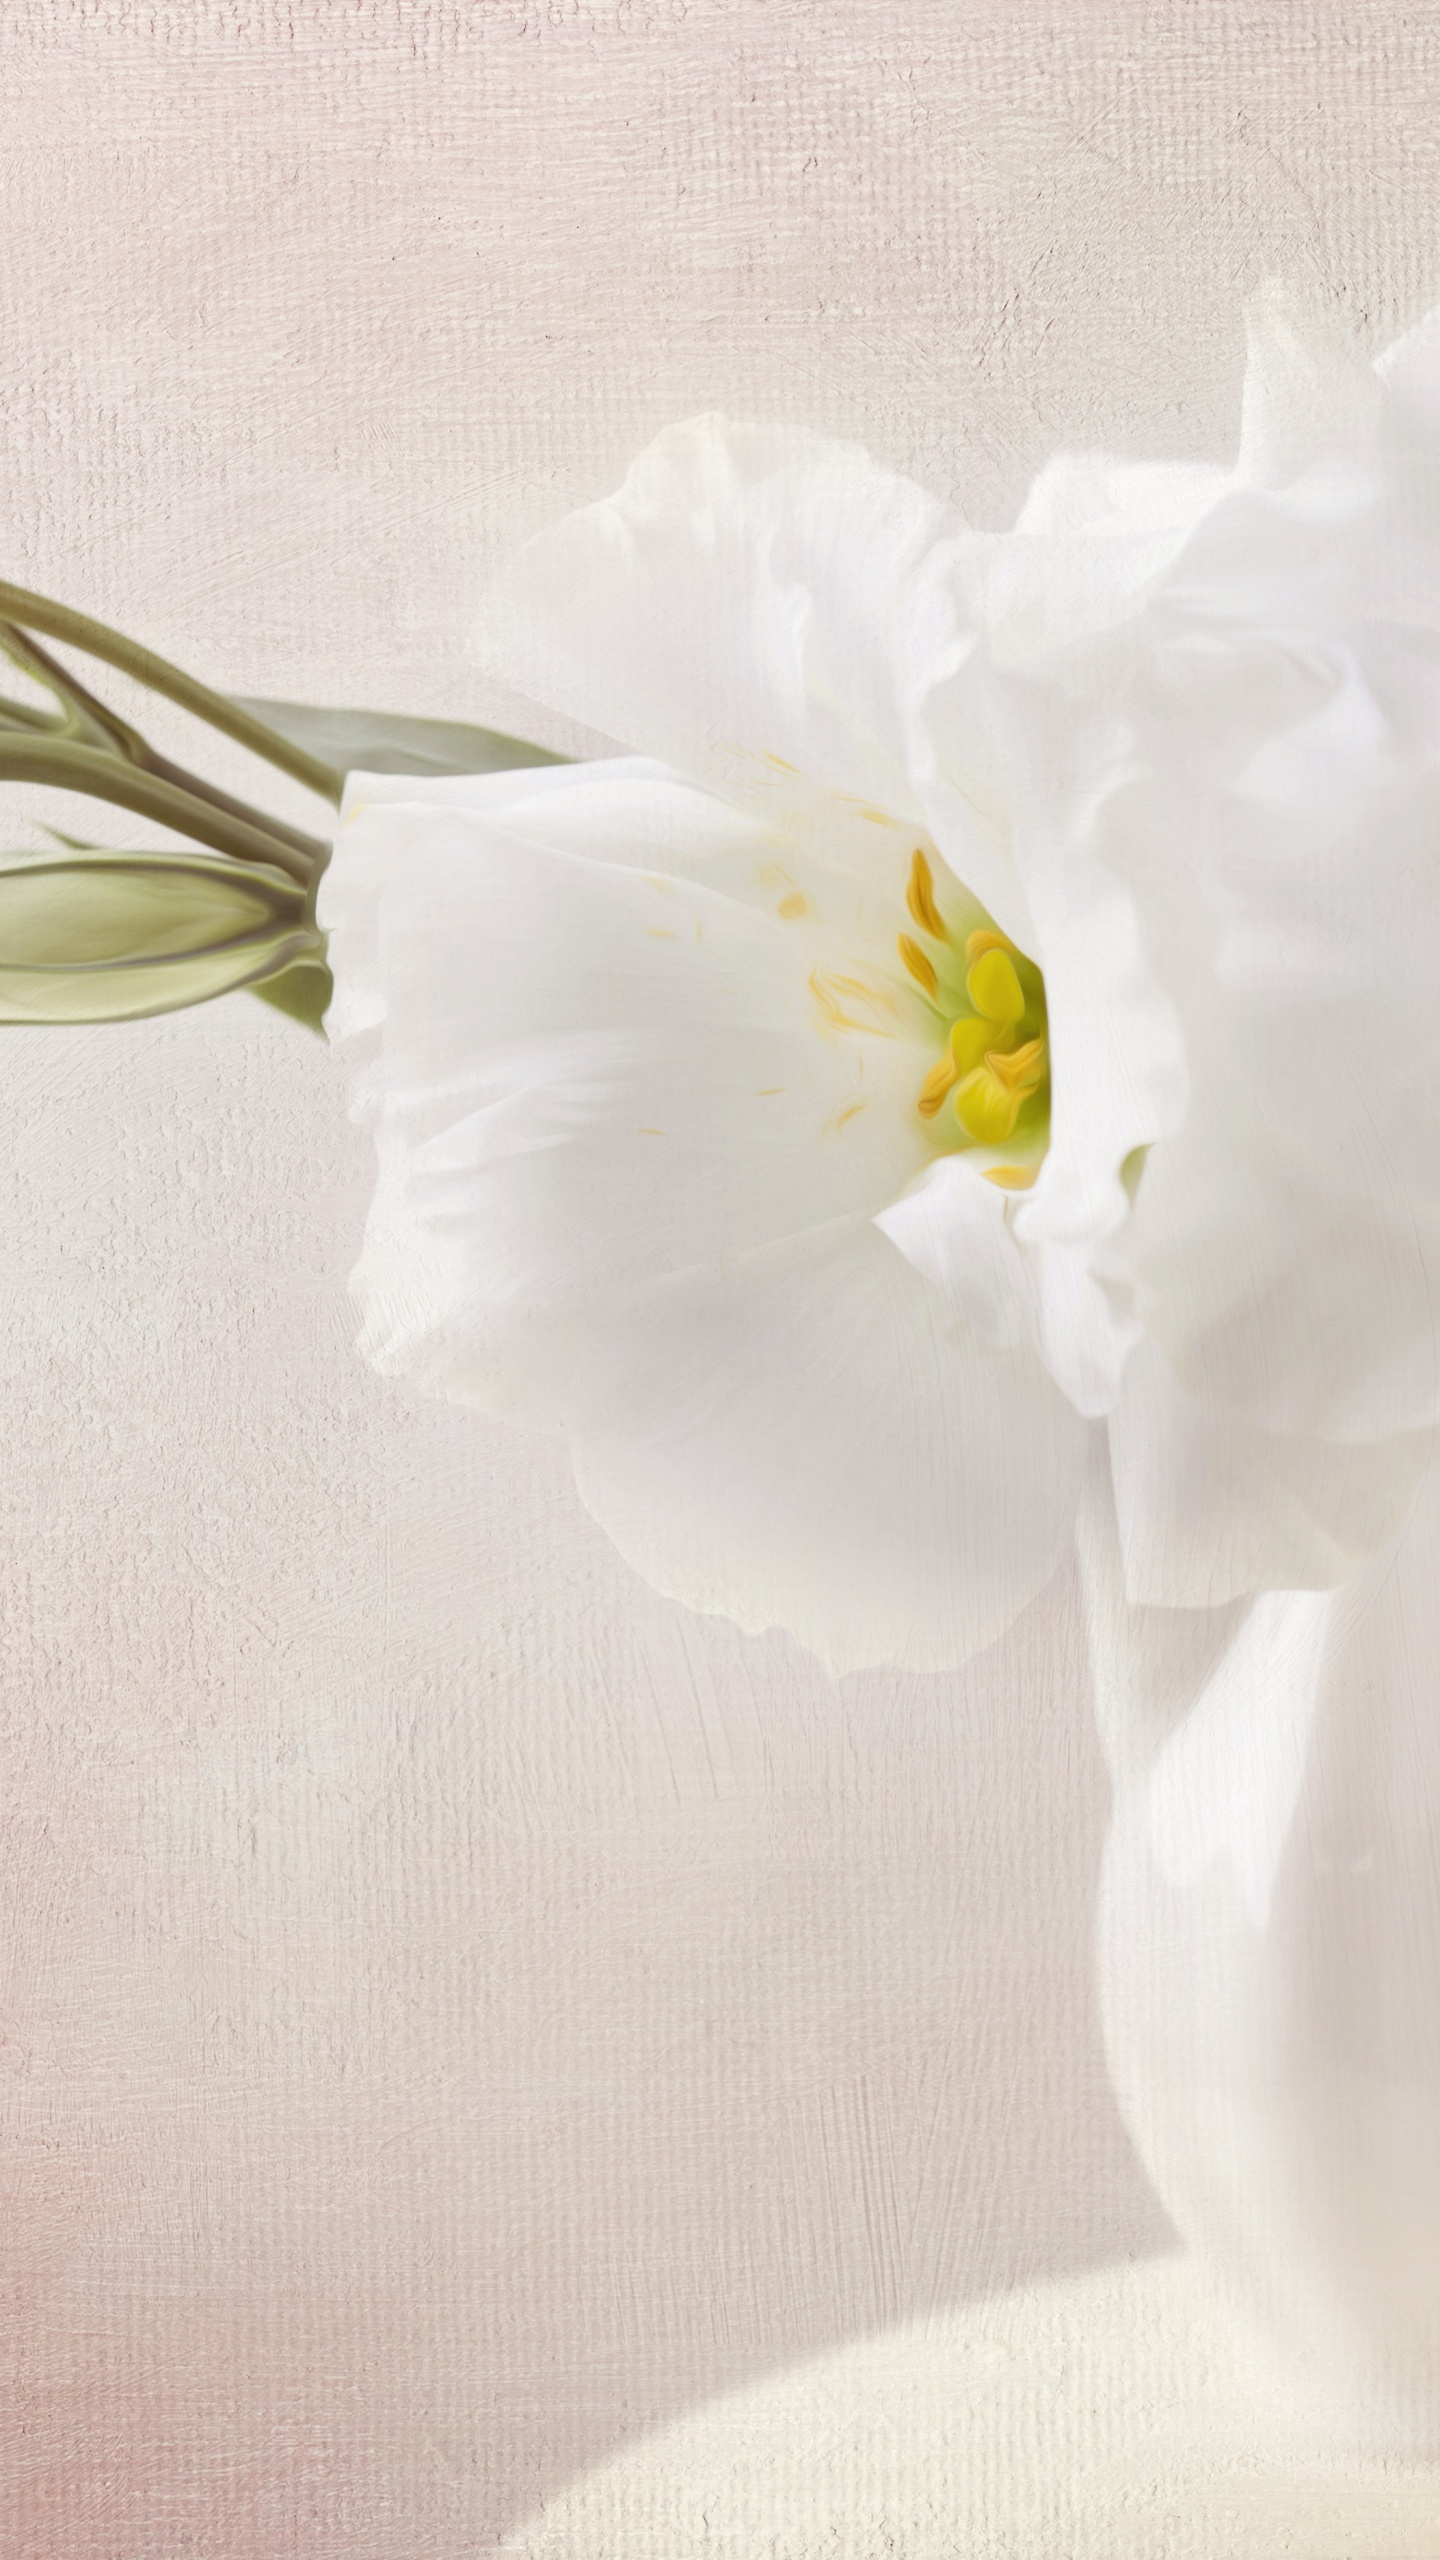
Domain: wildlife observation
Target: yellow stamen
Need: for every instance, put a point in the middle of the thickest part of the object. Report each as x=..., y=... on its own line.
x=989, y=1073
x=1021, y=1071
x=993, y=987
x=919, y=967
x=969, y=1040
x=986, y=1110
x=920, y=897
x=988, y=940
x=935, y=1087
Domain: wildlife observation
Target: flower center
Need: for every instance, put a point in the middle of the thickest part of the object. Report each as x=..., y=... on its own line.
x=992, y=1079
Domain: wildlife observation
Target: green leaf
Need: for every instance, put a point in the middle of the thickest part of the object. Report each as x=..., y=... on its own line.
x=391, y=742
x=303, y=991
x=115, y=936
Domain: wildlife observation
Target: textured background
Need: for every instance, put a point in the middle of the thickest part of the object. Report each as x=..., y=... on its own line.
x=455, y=2011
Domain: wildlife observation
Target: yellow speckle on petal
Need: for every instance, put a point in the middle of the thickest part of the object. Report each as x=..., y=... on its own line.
x=848, y=1004
x=793, y=906
x=851, y=1112
x=1012, y=1177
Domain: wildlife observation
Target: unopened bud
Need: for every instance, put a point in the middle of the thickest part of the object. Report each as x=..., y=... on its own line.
x=107, y=937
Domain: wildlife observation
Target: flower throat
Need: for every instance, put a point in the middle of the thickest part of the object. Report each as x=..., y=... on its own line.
x=992, y=1080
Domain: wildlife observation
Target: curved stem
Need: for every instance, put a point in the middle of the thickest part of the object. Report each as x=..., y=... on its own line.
x=83, y=716
x=27, y=716
x=59, y=622
x=312, y=849
x=67, y=766
x=87, y=720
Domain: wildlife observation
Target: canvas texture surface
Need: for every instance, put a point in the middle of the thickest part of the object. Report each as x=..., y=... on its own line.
x=461, y=2016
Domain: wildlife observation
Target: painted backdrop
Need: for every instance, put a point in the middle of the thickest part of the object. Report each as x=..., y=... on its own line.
x=456, y=2012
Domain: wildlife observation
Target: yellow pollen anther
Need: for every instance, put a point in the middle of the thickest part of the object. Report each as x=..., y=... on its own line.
x=993, y=987
x=935, y=1087
x=919, y=967
x=920, y=897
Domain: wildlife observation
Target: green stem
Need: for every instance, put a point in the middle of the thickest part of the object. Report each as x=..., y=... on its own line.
x=66, y=766
x=26, y=715
x=59, y=622
x=84, y=712
x=313, y=851
x=83, y=716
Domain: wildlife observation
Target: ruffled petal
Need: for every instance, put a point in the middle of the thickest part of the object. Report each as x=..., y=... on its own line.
x=1093, y=539
x=1310, y=400
x=1284, y=1247
x=962, y=1234
x=754, y=605
x=1120, y=1078
x=807, y=1440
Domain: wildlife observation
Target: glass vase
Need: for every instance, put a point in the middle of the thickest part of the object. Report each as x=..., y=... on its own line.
x=1269, y=1955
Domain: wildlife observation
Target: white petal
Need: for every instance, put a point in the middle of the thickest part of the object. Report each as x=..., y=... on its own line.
x=581, y=1076
x=1276, y=845
x=1092, y=540
x=1120, y=1079
x=828, y=868
x=962, y=1234
x=951, y=1226
x=806, y=1440
x=1410, y=366
x=1310, y=399
x=596, y=1208
x=1104, y=499
x=1119, y=1070
x=754, y=604
x=1210, y=1506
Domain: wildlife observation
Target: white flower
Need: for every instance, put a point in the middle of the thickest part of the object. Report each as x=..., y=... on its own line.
x=996, y=1008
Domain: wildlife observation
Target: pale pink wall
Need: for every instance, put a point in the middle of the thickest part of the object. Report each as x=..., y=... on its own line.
x=455, y=2009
